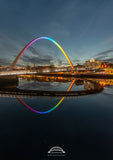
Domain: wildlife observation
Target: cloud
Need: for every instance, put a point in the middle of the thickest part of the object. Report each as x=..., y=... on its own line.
x=37, y=60
x=110, y=60
x=4, y=61
x=105, y=52
x=105, y=56
x=34, y=51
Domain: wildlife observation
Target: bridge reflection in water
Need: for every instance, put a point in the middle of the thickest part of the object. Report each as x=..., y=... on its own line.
x=90, y=87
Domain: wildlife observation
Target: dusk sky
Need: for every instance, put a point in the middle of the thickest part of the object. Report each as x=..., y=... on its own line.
x=83, y=28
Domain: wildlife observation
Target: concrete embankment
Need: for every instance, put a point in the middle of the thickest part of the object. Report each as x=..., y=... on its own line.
x=18, y=92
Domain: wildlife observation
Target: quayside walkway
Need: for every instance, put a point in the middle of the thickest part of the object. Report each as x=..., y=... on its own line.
x=17, y=92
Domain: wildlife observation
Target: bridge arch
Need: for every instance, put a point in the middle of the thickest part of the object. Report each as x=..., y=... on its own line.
x=21, y=53
x=30, y=43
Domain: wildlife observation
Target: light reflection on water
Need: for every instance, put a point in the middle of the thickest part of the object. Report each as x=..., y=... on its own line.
x=108, y=90
x=82, y=126
x=49, y=86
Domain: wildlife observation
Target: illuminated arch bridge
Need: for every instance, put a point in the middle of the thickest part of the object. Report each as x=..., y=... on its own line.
x=18, y=57
x=33, y=41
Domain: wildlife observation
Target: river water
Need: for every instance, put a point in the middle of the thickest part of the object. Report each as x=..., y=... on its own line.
x=82, y=126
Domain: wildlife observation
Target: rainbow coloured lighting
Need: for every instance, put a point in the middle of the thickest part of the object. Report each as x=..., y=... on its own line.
x=36, y=39
x=18, y=57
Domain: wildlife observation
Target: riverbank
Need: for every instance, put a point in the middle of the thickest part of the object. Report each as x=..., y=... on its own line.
x=80, y=75
x=9, y=81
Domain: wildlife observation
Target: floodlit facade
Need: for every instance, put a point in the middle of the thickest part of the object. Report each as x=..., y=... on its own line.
x=93, y=64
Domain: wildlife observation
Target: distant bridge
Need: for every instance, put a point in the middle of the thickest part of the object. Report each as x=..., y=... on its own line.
x=8, y=73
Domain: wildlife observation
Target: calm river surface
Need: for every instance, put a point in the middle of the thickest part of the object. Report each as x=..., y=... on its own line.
x=81, y=126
